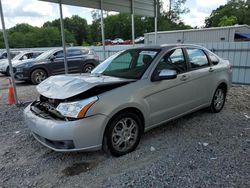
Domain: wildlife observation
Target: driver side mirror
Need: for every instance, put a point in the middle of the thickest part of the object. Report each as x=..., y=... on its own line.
x=215, y=62
x=165, y=74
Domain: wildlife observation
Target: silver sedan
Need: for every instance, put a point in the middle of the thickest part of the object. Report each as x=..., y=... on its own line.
x=131, y=92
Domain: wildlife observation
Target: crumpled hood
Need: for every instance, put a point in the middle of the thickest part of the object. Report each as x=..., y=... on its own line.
x=66, y=86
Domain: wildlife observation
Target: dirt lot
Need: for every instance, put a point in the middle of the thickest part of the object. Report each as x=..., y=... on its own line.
x=199, y=150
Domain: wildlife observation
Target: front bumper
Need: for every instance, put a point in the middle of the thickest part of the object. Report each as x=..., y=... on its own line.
x=81, y=135
x=3, y=69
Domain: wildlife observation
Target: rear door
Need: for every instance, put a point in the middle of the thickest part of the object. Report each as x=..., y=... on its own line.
x=75, y=60
x=200, y=75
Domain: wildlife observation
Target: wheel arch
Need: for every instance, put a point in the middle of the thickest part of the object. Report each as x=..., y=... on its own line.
x=223, y=85
x=135, y=110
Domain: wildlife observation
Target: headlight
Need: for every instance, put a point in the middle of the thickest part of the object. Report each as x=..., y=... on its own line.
x=76, y=109
x=19, y=69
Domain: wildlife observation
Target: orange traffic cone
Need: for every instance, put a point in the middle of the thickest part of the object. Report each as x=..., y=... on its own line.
x=11, y=97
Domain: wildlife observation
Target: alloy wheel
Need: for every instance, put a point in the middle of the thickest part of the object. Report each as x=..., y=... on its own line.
x=40, y=76
x=125, y=134
x=219, y=98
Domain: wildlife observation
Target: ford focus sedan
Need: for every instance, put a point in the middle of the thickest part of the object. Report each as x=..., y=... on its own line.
x=131, y=92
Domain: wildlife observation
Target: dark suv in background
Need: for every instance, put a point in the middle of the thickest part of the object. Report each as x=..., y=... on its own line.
x=51, y=62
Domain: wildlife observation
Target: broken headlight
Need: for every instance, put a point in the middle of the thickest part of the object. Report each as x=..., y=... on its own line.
x=76, y=109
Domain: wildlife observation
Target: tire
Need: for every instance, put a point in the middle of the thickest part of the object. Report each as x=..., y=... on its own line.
x=218, y=101
x=88, y=68
x=38, y=75
x=7, y=71
x=123, y=134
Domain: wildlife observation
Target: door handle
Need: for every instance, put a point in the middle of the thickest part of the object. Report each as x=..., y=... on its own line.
x=211, y=70
x=184, y=77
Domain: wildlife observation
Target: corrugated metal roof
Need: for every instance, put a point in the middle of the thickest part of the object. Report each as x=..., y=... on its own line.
x=141, y=7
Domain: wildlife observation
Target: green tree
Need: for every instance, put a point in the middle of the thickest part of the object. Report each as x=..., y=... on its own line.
x=227, y=13
x=76, y=25
x=227, y=21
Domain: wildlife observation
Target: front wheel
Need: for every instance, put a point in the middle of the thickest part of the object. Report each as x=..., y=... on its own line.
x=218, y=101
x=88, y=68
x=7, y=71
x=123, y=134
x=37, y=76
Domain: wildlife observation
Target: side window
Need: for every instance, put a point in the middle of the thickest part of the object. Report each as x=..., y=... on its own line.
x=75, y=52
x=174, y=60
x=36, y=54
x=29, y=55
x=145, y=58
x=121, y=62
x=197, y=58
x=59, y=54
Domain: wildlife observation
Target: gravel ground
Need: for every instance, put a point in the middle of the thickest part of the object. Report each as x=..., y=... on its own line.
x=198, y=150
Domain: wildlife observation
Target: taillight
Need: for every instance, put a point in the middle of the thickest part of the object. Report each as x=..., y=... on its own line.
x=96, y=58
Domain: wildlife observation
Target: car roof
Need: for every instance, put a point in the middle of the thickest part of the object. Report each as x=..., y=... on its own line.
x=168, y=46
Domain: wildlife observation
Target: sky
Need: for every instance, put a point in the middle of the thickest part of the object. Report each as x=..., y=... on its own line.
x=36, y=12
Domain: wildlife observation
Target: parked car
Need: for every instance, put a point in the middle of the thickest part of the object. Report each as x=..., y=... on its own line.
x=117, y=41
x=80, y=60
x=3, y=54
x=107, y=42
x=139, y=40
x=127, y=42
x=131, y=92
x=4, y=64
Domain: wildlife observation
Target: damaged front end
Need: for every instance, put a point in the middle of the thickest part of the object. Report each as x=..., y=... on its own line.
x=72, y=108
x=46, y=108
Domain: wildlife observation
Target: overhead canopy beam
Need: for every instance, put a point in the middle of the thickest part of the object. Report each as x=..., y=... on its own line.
x=141, y=7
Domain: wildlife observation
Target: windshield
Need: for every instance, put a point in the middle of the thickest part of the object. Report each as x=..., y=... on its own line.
x=129, y=64
x=19, y=56
x=45, y=55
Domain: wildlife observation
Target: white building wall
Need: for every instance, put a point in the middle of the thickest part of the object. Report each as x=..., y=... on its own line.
x=196, y=36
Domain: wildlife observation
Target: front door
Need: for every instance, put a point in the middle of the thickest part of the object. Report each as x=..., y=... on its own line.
x=170, y=98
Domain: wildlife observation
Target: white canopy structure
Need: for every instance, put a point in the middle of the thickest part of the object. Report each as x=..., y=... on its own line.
x=134, y=7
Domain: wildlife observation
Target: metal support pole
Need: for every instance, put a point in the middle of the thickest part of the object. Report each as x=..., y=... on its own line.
x=63, y=39
x=103, y=34
x=156, y=15
x=133, y=22
x=6, y=42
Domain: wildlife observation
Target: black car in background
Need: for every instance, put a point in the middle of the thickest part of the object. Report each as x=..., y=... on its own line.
x=51, y=62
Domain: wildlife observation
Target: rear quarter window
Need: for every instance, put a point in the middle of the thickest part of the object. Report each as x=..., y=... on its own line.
x=75, y=52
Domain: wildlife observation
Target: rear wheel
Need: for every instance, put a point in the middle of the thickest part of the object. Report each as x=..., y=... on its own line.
x=88, y=68
x=38, y=75
x=218, y=100
x=123, y=134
